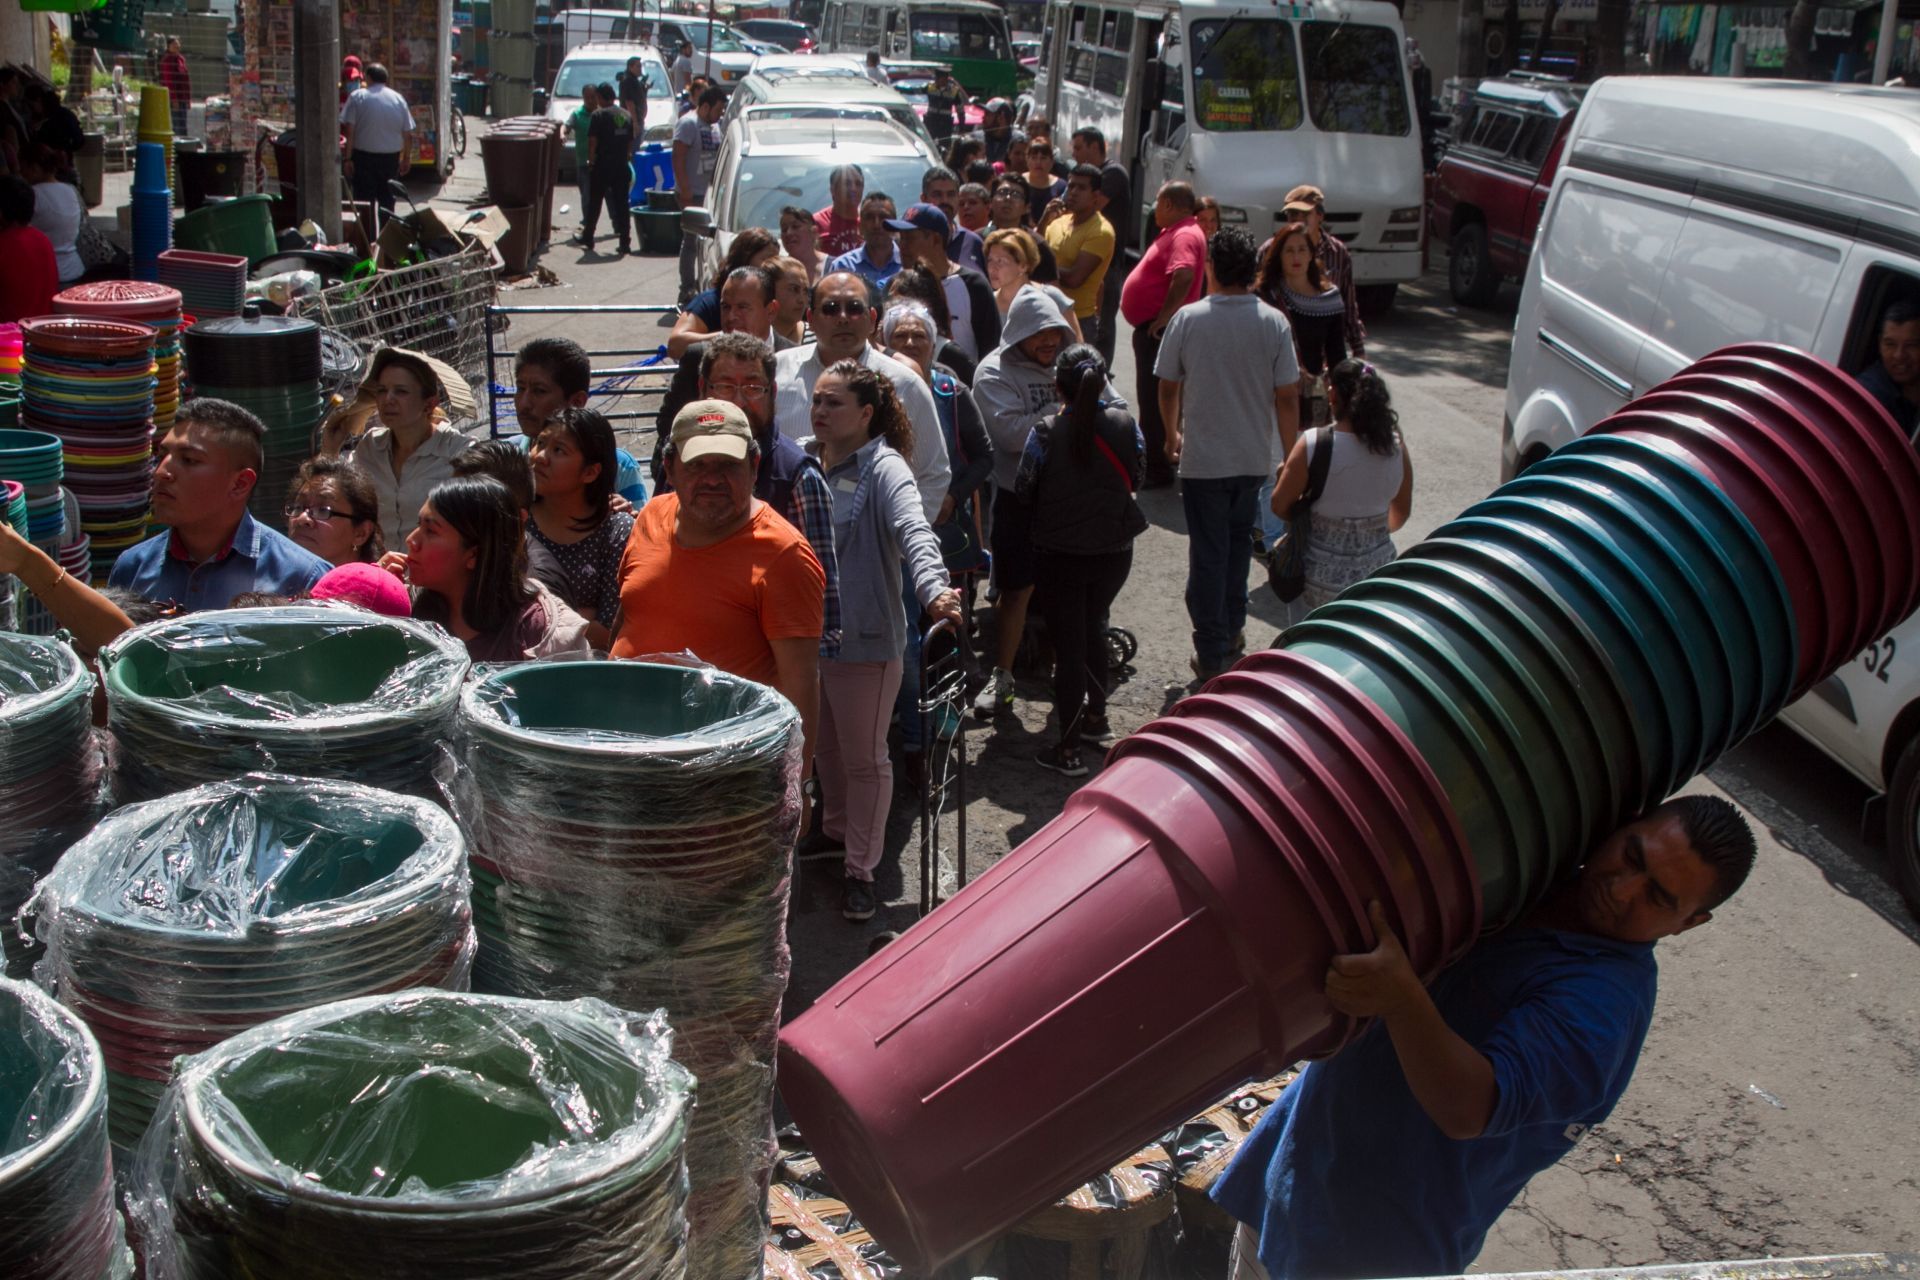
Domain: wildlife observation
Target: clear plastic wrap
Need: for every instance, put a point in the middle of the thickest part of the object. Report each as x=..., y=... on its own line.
x=50, y=770
x=631, y=827
x=307, y=690
x=57, y=1215
x=419, y=1135
x=178, y=922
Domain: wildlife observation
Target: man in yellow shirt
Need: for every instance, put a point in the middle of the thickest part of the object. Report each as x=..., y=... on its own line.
x=1083, y=244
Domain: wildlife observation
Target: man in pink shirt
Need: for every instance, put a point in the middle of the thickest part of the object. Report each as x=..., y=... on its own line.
x=1171, y=274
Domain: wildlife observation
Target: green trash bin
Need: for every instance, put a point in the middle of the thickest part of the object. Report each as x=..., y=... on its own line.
x=243, y=225
x=659, y=230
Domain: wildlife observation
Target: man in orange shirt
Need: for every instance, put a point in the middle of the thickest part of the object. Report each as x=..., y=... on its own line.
x=712, y=569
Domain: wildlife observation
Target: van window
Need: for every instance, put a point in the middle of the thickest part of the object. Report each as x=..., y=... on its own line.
x=1610, y=249
x=1355, y=81
x=1735, y=281
x=1245, y=77
x=957, y=35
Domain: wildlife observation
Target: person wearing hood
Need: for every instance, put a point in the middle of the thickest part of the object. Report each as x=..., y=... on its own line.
x=1016, y=391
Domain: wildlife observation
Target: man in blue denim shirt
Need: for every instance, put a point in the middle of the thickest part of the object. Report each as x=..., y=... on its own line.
x=213, y=549
x=1394, y=1157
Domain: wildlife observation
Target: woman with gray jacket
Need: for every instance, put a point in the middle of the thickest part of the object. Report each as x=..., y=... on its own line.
x=861, y=437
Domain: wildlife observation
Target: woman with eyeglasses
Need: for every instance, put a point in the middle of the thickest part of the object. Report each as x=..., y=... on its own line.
x=332, y=512
x=574, y=467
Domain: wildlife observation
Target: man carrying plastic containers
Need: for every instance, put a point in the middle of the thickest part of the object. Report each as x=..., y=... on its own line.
x=1394, y=1157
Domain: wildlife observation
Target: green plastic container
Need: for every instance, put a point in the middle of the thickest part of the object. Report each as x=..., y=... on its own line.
x=659, y=229
x=242, y=226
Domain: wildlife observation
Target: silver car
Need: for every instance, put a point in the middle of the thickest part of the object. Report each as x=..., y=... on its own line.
x=601, y=62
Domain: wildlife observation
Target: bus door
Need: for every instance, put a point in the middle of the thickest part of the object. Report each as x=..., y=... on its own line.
x=1162, y=103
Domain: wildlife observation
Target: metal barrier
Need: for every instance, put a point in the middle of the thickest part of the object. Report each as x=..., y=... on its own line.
x=618, y=382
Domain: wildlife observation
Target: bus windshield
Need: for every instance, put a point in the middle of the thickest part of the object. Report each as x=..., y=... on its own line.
x=947, y=36
x=1354, y=79
x=1245, y=78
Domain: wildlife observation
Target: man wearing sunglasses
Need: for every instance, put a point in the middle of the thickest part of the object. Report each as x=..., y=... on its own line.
x=843, y=316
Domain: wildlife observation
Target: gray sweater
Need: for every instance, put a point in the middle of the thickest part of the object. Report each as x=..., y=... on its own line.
x=877, y=523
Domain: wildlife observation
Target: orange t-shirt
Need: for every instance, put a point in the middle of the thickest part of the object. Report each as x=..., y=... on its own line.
x=725, y=602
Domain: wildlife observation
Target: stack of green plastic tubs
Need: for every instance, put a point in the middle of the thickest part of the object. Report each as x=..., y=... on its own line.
x=57, y=1214
x=631, y=828
x=176, y=923
x=423, y=1135
x=305, y=690
x=271, y=366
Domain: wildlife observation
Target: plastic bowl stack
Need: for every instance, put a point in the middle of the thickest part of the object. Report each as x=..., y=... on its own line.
x=631, y=827
x=90, y=381
x=156, y=305
x=211, y=285
x=152, y=202
x=57, y=1215
x=306, y=690
x=424, y=1135
x=10, y=361
x=270, y=365
x=50, y=770
x=180, y=922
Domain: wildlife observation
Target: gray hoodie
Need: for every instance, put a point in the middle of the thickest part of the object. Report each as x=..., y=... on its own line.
x=1015, y=394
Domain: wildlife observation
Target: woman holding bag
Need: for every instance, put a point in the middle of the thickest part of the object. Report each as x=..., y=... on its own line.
x=1078, y=474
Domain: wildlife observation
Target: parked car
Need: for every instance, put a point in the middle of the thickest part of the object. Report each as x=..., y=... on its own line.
x=601, y=62
x=1492, y=182
x=1690, y=214
x=795, y=79
x=794, y=37
x=724, y=64
x=768, y=163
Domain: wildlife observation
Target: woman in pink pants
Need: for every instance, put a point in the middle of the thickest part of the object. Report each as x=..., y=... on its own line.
x=862, y=438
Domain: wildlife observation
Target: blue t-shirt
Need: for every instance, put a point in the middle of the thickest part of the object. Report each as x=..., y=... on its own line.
x=857, y=261
x=1346, y=1175
x=257, y=559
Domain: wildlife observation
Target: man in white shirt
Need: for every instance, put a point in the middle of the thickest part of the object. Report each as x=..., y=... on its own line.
x=842, y=317
x=681, y=73
x=876, y=72
x=378, y=126
x=696, y=144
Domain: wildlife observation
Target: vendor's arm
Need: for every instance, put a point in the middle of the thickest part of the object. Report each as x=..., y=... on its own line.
x=93, y=619
x=1452, y=1080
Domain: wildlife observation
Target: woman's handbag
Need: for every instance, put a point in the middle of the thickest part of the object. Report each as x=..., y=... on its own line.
x=1287, y=562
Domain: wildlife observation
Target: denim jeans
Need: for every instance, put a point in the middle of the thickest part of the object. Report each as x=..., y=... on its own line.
x=1272, y=527
x=1220, y=520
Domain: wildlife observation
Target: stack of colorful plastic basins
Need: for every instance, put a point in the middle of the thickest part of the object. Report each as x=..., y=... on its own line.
x=1448, y=737
x=630, y=828
x=180, y=922
x=9, y=367
x=152, y=204
x=211, y=285
x=90, y=382
x=155, y=126
x=32, y=459
x=271, y=366
x=156, y=305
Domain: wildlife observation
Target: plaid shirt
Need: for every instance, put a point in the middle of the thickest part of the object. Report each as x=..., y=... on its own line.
x=810, y=510
x=1337, y=261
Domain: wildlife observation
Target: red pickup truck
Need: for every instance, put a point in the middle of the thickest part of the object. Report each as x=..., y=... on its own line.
x=1492, y=183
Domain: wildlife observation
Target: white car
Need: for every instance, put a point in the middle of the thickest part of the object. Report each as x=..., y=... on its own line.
x=766, y=164
x=721, y=58
x=601, y=63
x=826, y=81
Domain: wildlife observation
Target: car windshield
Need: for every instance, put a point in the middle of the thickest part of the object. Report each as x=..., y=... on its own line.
x=764, y=185
x=1245, y=78
x=958, y=35
x=1355, y=83
x=577, y=73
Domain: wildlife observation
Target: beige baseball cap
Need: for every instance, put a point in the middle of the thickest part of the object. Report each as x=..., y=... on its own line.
x=1307, y=194
x=711, y=426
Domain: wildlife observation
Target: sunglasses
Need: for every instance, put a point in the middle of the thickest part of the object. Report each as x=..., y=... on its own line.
x=834, y=307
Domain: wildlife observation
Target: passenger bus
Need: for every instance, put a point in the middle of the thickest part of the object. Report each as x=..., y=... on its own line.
x=968, y=35
x=1247, y=101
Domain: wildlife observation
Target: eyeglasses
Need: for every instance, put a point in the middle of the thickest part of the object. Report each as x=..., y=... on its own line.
x=319, y=515
x=751, y=390
x=834, y=307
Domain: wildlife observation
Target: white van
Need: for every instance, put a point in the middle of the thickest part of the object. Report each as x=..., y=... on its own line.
x=1246, y=101
x=718, y=52
x=1690, y=214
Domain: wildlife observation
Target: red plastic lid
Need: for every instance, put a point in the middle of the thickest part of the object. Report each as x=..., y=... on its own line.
x=125, y=299
x=86, y=335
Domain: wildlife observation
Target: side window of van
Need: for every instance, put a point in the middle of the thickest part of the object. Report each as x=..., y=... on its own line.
x=1610, y=249
x=1736, y=279
x=1879, y=289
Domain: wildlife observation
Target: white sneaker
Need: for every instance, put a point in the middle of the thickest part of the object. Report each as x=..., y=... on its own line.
x=996, y=696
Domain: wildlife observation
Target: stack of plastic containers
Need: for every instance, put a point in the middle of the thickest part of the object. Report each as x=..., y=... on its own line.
x=630, y=827
x=211, y=285
x=155, y=126
x=152, y=203
x=270, y=365
x=1448, y=737
x=49, y=769
x=303, y=689
x=9, y=367
x=57, y=1215
x=33, y=459
x=180, y=922
x=423, y=1135
x=90, y=381
x=156, y=305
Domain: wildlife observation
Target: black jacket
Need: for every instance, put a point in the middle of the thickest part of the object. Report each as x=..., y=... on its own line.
x=1084, y=506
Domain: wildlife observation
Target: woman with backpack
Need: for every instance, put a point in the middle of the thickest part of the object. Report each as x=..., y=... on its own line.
x=1367, y=492
x=1078, y=475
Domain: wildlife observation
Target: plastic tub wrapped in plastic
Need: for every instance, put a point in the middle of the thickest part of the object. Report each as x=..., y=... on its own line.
x=631, y=828
x=57, y=1220
x=308, y=690
x=179, y=922
x=50, y=769
x=423, y=1134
